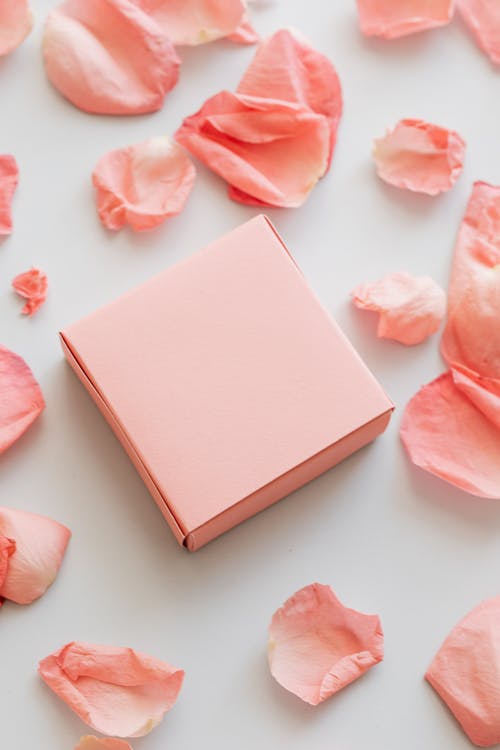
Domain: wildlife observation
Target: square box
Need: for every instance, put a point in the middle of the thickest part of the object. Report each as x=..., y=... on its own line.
x=226, y=382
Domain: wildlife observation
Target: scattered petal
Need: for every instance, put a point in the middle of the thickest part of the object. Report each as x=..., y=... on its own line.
x=109, y=57
x=245, y=33
x=21, y=400
x=390, y=19
x=317, y=646
x=411, y=307
x=483, y=392
x=116, y=691
x=483, y=19
x=9, y=177
x=466, y=675
x=102, y=743
x=143, y=185
x=195, y=22
x=40, y=544
x=33, y=286
x=418, y=156
x=7, y=548
x=16, y=22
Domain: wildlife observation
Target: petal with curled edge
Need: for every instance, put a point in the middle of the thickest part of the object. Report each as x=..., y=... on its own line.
x=21, y=399
x=394, y=18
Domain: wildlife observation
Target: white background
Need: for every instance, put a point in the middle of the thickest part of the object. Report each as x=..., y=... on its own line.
x=388, y=538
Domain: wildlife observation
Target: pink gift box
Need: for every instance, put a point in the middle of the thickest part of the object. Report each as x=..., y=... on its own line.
x=226, y=382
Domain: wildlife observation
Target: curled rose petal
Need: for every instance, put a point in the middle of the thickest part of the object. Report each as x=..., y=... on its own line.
x=411, y=308
x=40, y=544
x=317, y=646
x=109, y=57
x=418, y=156
x=466, y=673
x=245, y=33
x=33, y=286
x=142, y=185
x=16, y=22
x=195, y=22
x=89, y=742
x=390, y=19
x=483, y=19
x=9, y=177
x=21, y=400
x=117, y=691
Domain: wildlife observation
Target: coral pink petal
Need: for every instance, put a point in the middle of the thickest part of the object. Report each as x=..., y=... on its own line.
x=143, y=185
x=7, y=548
x=317, y=646
x=394, y=18
x=16, y=23
x=9, y=177
x=418, y=156
x=466, y=675
x=410, y=308
x=245, y=33
x=483, y=18
x=33, y=286
x=194, y=22
x=21, y=400
x=102, y=743
x=109, y=57
x=40, y=547
x=445, y=434
x=116, y=691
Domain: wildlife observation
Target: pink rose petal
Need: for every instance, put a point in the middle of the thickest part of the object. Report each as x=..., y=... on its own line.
x=102, y=743
x=466, y=673
x=483, y=18
x=483, y=392
x=142, y=185
x=9, y=177
x=33, y=286
x=16, y=22
x=418, y=156
x=21, y=400
x=109, y=57
x=317, y=646
x=245, y=33
x=116, y=691
x=411, y=307
x=40, y=544
x=195, y=21
x=7, y=548
x=394, y=18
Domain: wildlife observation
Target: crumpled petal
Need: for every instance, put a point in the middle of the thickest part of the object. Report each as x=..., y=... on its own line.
x=16, y=22
x=89, y=742
x=317, y=646
x=9, y=177
x=394, y=18
x=465, y=673
x=40, y=544
x=116, y=691
x=411, y=307
x=109, y=57
x=21, y=400
x=418, y=156
x=142, y=185
x=483, y=18
x=33, y=286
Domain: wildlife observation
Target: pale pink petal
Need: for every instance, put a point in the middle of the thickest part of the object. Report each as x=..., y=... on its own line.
x=445, y=434
x=16, y=22
x=466, y=673
x=317, y=646
x=109, y=57
x=33, y=286
x=102, y=743
x=117, y=691
x=418, y=156
x=9, y=177
x=195, y=21
x=245, y=33
x=7, y=549
x=410, y=308
x=143, y=185
x=21, y=400
x=483, y=392
x=483, y=18
x=40, y=547
x=394, y=18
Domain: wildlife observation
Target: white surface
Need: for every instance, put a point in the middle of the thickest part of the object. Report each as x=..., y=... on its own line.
x=388, y=538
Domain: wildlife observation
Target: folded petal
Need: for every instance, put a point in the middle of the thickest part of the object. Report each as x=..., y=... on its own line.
x=483, y=19
x=9, y=177
x=317, y=646
x=195, y=21
x=33, y=286
x=483, y=392
x=16, y=22
x=117, y=691
x=102, y=743
x=21, y=400
x=390, y=19
x=466, y=673
x=143, y=185
x=418, y=156
x=109, y=57
x=245, y=33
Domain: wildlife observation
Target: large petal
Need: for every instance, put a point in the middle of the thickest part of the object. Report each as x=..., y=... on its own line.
x=483, y=18
x=21, y=400
x=89, y=742
x=195, y=21
x=9, y=177
x=33, y=286
x=394, y=18
x=16, y=22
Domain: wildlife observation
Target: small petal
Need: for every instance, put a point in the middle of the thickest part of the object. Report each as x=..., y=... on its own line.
x=317, y=646
x=21, y=400
x=143, y=185
x=245, y=33
x=102, y=743
x=33, y=286
x=391, y=19
x=9, y=177
x=418, y=156
x=411, y=307
x=16, y=22
x=40, y=544
x=116, y=691
x=194, y=22
x=466, y=673
x=483, y=19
